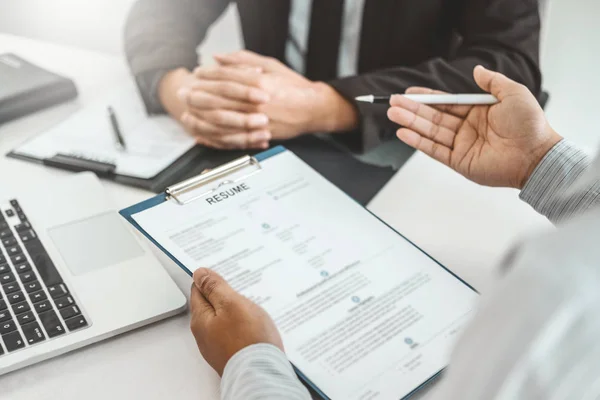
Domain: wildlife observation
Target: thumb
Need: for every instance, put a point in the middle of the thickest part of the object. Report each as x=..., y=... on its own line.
x=213, y=287
x=495, y=83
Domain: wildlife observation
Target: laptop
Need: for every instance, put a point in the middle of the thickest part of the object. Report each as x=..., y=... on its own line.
x=72, y=273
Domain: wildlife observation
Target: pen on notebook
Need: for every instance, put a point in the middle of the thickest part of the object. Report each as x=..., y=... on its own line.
x=453, y=99
x=120, y=142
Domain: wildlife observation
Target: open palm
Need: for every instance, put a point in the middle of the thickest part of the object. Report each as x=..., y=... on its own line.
x=497, y=145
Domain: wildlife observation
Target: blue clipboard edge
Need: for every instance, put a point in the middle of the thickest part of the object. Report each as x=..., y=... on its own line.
x=128, y=213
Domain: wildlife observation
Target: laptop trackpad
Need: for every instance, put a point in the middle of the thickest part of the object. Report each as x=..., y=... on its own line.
x=93, y=243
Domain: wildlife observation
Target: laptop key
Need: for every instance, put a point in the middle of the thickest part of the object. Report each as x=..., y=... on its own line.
x=18, y=259
x=43, y=263
x=6, y=233
x=13, y=341
x=33, y=333
x=15, y=297
x=7, y=326
x=8, y=242
x=52, y=324
x=27, y=277
x=18, y=210
x=10, y=212
x=23, y=226
x=4, y=316
x=4, y=268
x=58, y=291
x=2, y=258
x=2, y=305
x=21, y=307
x=69, y=312
x=10, y=287
x=42, y=306
x=31, y=287
x=21, y=268
x=14, y=250
x=27, y=236
x=7, y=278
x=25, y=318
x=76, y=323
x=38, y=296
x=63, y=302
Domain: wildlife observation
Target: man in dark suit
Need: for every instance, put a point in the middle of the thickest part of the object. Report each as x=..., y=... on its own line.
x=307, y=60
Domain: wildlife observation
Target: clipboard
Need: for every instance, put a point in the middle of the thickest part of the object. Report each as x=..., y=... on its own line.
x=206, y=183
x=187, y=192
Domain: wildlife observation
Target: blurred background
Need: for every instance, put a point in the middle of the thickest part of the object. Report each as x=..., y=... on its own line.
x=570, y=49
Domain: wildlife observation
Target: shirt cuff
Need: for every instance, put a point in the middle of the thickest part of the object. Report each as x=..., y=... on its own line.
x=147, y=83
x=547, y=188
x=261, y=371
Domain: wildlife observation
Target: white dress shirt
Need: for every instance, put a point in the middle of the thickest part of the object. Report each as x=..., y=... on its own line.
x=297, y=43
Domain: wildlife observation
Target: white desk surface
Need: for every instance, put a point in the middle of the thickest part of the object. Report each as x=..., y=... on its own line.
x=465, y=226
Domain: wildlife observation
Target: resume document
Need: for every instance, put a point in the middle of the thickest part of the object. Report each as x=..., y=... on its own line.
x=364, y=314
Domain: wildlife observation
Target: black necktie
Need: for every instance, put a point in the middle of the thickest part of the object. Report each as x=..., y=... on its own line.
x=324, y=39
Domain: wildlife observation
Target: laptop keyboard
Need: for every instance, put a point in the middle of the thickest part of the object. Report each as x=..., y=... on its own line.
x=35, y=303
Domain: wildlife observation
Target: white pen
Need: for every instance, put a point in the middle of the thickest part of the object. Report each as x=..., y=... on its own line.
x=453, y=99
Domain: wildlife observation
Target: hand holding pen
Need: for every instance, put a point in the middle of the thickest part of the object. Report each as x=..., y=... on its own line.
x=493, y=145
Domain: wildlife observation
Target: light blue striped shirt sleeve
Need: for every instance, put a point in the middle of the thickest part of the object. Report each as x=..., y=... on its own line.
x=553, y=191
x=261, y=372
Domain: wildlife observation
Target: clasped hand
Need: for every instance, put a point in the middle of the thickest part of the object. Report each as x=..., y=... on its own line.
x=247, y=100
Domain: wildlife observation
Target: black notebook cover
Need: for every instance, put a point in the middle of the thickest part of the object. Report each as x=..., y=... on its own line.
x=26, y=88
x=359, y=180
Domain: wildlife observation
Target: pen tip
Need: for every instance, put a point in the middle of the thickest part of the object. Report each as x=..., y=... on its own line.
x=364, y=99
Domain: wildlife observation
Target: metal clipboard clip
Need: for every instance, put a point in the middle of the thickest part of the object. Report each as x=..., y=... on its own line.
x=176, y=192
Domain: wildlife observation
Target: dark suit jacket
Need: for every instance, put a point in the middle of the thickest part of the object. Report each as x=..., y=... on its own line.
x=433, y=43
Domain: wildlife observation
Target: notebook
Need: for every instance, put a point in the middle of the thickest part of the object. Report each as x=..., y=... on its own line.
x=87, y=139
x=27, y=88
